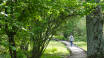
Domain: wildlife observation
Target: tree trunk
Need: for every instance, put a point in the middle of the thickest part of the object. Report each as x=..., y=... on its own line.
x=95, y=41
x=12, y=43
x=36, y=51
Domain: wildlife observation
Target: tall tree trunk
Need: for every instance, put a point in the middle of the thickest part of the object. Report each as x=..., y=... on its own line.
x=36, y=51
x=95, y=41
x=12, y=43
x=10, y=35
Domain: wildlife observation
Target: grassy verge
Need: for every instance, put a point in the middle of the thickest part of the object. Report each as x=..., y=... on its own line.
x=81, y=44
x=55, y=50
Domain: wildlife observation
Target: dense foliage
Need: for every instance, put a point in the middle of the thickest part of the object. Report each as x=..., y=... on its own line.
x=27, y=26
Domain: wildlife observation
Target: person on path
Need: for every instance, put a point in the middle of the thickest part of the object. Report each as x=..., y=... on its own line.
x=71, y=38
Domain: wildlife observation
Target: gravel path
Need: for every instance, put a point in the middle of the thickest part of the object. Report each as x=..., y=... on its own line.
x=76, y=52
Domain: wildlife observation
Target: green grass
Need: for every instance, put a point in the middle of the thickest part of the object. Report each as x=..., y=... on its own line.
x=50, y=56
x=55, y=50
x=81, y=44
x=60, y=37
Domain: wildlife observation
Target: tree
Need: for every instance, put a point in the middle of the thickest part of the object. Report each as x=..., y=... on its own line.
x=43, y=16
x=10, y=21
x=35, y=22
x=94, y=25
x=46, y=21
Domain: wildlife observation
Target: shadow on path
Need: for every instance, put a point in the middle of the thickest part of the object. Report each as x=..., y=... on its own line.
x=76, y=52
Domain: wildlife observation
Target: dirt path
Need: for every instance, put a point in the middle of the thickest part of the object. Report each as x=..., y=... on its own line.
x=76, y=52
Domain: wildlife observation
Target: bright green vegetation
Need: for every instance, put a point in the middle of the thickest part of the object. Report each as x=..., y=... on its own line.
x=81, y=44
x=75, y=26
x=55, y=50
x=25, y=23
x=50, y=56
x=27, y=26
x=78, y=28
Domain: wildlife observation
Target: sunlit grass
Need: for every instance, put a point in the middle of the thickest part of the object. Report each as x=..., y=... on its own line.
x=81, y=44
x=55, y=50
x=50, y=56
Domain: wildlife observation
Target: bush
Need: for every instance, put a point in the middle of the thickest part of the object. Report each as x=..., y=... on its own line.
x=20, y=54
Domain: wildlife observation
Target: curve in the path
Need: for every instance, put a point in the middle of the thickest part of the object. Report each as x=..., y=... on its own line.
x=76, y=52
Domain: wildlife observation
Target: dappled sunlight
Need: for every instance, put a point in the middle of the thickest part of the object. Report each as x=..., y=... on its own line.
x=51, y=28
x=56, y=48
x=75, y=51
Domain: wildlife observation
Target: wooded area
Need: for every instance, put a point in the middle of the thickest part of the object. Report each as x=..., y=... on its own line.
x=27, y=26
